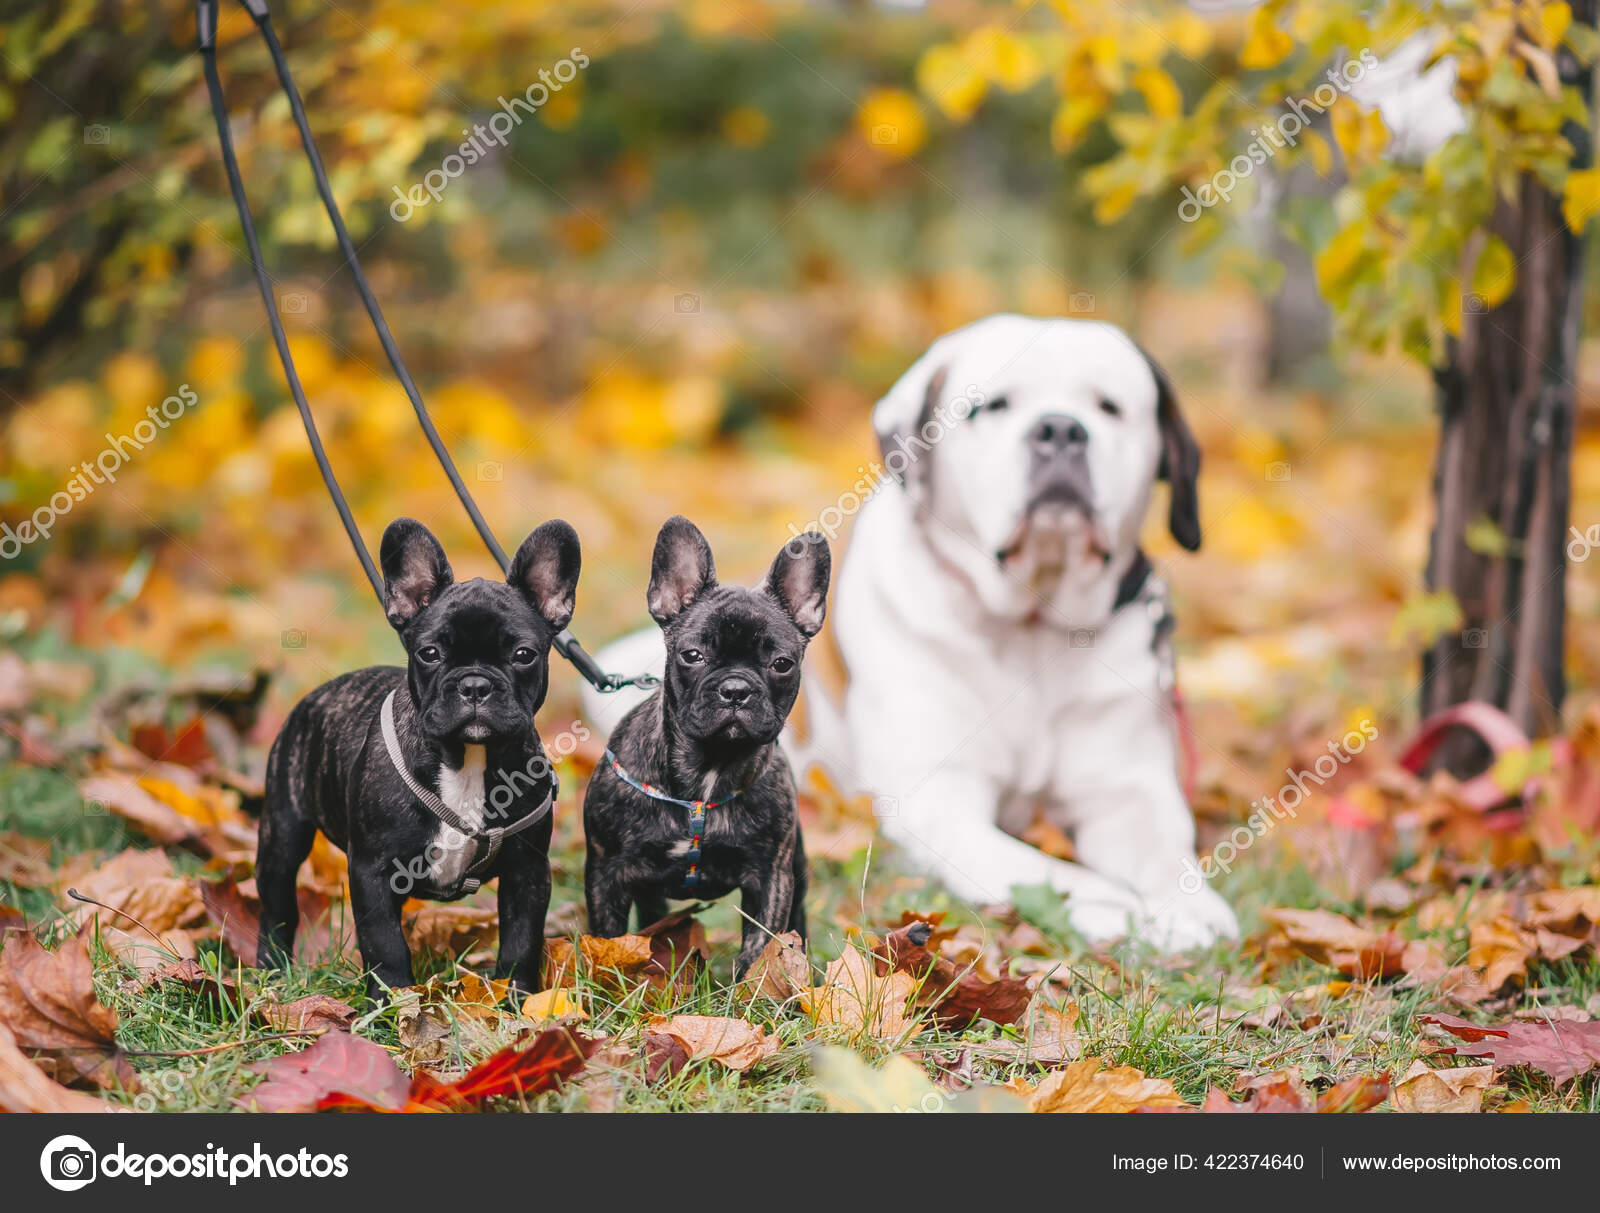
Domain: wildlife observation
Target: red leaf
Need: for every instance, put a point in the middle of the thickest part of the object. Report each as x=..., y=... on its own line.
x=338, y=1070
x=554, y=1056
x=1563, y=1049
x=187, y=746
x=956, y=994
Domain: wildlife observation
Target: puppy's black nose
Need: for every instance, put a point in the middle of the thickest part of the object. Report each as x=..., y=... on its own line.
x=474, y=688
x=735, y=691
x=1055, y=432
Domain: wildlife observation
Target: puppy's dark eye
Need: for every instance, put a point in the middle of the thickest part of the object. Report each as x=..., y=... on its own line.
x=524, y=655
x=691, y=656
x=429, y=654
x=1109, y=407
x=998, y=405
x=782, y=665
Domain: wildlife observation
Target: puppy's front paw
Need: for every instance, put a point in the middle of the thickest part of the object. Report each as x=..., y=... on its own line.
x=1100, y=921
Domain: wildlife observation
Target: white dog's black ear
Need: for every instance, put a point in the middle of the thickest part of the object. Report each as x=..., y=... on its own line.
x=1180, y=462
x=798, y=579
x=680, y=571
x=902, y=418
x=545, y=570
x=414, y=570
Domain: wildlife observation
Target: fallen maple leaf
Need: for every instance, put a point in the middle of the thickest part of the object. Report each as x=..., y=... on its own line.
x=679, y=952
x=855, y=996
x=313, y=1013
x=956, y=996
x=26, y=1088
x=450, y=929
x=614, y=963
x=1084, y=1086
x=551, y=1058
x=735, y=1043
x=337, y=1064
x=236, y=910
x=47, y=999
x=1422, y=1089
x=1334, y=940
x=1562, y=1049
x=781, y=971
x=141, y=888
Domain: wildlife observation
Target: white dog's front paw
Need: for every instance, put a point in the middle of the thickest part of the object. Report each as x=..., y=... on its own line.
x=1191, y=920
x=1101, y=921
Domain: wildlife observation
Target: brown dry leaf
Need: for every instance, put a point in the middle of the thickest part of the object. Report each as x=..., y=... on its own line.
x=1050, y=1037
x=11, y=919
x=123, y=794
x=144, y=887
x=735, y=1043
x=25, y=861
x=679, y=952
x=236, y=909
x=853, y=995
x=25, y=1088
x=313, y=1013
x=615, y=963
x=1084, y=1086
x=781, y=971
x=955, y=997
x=450, y=928
x=146, y=956
x=1423, y=1089
x=47, y=999
x=1502, y=950
x=1334, y=940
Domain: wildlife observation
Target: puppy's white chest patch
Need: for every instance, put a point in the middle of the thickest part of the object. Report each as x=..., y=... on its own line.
x=462, y=791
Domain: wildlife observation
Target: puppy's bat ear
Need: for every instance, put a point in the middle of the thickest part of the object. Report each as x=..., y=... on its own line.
x=798, y=579
x=680, y=571
x=1180, y=461
x=414, y=570
x=545, y=571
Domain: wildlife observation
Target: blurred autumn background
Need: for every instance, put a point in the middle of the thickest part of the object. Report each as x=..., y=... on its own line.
x=682, y=283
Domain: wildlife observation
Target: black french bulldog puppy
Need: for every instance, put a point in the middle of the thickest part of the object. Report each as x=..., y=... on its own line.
x=695, y=798
x=432, y=779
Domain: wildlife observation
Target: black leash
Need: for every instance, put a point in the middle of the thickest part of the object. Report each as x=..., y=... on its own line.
x=206, y=19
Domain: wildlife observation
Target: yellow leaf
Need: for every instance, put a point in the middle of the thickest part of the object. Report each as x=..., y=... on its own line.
x=1554, y=21
x=1160, y=93
x=1495, y=273
x=1335, y=262
x=1115, y=203
x=1267, y=45
x=1004, y=58
x=1084, y=1086
x=554, y=1004
x=1073, y=118
x=1581, y=198
x=952, y=83
x=891, y=121
x=1190, y=33
x=1321, y=154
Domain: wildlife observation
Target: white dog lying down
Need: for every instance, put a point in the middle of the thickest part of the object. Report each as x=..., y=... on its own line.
x=1008, y=646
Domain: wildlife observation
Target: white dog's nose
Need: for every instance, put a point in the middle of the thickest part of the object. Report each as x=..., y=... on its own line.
x=1056, y=432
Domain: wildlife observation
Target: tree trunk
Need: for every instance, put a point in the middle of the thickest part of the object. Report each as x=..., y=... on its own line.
x=1507, y=404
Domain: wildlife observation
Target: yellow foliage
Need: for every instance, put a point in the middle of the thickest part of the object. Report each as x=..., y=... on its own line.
x=891, y=121
x=1266, y=45
x=1580, y=199
x=951, y=82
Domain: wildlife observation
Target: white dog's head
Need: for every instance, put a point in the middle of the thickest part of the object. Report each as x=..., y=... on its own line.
x=1029, y=448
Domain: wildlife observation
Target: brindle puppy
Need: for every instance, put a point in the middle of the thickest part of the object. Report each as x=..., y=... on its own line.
x=709, y=737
